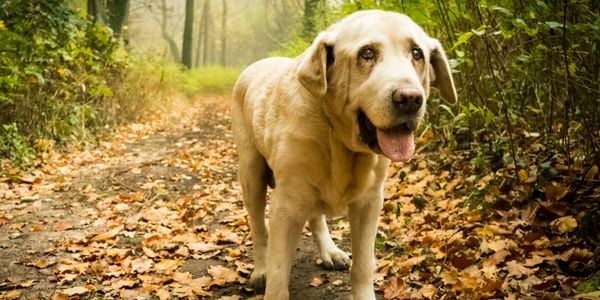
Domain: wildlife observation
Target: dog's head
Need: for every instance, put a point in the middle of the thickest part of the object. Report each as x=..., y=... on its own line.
x=373, y=71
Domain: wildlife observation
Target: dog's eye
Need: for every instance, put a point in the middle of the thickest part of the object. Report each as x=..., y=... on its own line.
x=367, y=53
x=417, y=53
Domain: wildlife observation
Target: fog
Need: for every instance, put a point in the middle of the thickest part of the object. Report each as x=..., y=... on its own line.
x=253, y=29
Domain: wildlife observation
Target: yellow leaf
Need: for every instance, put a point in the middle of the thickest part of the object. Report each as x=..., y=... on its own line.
x=2, y=26
x=523, y=175
x=565, y=224
x=12, y=295
x=166, y=265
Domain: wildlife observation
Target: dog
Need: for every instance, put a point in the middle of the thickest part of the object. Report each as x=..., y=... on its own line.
x=321, y=129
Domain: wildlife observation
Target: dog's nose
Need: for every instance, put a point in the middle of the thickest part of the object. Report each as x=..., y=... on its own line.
x=408, y=100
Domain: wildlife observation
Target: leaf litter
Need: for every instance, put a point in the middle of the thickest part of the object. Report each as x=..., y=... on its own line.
x=129, y=218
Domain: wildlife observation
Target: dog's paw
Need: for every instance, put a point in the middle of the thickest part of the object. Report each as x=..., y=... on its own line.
x=257, y=281
x=335, y=259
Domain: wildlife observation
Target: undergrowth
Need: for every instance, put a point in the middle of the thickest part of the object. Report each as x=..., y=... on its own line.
x=65, y=79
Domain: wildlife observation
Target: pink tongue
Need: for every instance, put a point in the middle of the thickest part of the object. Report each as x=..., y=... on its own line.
x=398, y=143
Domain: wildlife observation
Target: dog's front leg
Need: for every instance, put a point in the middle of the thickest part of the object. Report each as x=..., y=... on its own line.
x=287, y=217
x=363, y=215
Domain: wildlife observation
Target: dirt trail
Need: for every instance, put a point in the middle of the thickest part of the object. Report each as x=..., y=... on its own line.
x=154, y=212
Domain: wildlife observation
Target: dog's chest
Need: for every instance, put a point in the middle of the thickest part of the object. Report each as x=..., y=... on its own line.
x=353, y=178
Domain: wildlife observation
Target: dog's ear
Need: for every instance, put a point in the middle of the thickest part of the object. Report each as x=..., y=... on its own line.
x=312, y=70
x=441, y=77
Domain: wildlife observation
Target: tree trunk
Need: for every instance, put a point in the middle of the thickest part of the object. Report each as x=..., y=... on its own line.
x=199, y=39
x=224, y=34
x=308, y=20
x=165, y=34
x=93, y=10
x=206, y=31
x=117, y=12
x=188, y=29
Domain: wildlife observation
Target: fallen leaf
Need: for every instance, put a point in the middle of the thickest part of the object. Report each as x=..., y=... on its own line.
x=222, y=275
x=555, y=191
x=12, y=295
x=564, y=224
x=182, y=277
x=166, y=265
x=42, y=263
x=518, y=270
x=78, y=290
x=108, y=235
x=121, y=283
x=394, y=289
x=141, y=265
x=318, y=280
x=61, y=226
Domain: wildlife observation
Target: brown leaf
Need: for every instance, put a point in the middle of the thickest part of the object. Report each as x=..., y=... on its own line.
x=42, y=263
x=141, y=265
x=108, y=235
x=395, y=289
x=518, y=270
x=78, y=290
x=555, y=191
x=497, y=258
x=222, y=275
x=121, y=283
x=62, y=226
x=202, y=247
x=37, y=227
x=318, y=280
x=182, y=277
x=60, y=296
x=166, y=265
x=413, y=261
x=163, y=294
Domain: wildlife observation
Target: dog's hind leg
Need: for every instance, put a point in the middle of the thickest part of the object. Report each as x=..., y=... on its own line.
x=252, y=175
x=333, y=258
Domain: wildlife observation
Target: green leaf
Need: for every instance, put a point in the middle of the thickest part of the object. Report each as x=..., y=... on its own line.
x=502, y=10
x=463, y=38
x=479, y=31
x=553, y=24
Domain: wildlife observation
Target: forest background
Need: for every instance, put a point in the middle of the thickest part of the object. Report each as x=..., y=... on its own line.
x=527, y=72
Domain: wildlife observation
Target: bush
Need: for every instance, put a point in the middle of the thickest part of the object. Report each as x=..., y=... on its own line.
x=63, y=77
x=527, y=75
x=54, y=68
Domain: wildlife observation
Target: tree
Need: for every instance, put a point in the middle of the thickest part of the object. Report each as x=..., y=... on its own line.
x=224, y=33
x=93, y=10
x=165, y=35
x=206, y=27
x=186, y=49
x=308, y=19
x=116, y=14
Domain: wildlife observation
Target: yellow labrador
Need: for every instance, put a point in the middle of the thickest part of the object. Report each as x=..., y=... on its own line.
x=322, y=129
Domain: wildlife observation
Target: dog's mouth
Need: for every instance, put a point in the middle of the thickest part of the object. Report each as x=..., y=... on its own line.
x=396, y=143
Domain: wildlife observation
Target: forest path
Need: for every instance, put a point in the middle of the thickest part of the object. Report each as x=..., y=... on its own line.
x=154, y=211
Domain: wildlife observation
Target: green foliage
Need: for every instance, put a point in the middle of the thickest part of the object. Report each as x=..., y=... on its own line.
x=527, y=74
x=209, y=79
x=63, y=77
x=14, y=146
x=54, y=68
x=592, y=284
